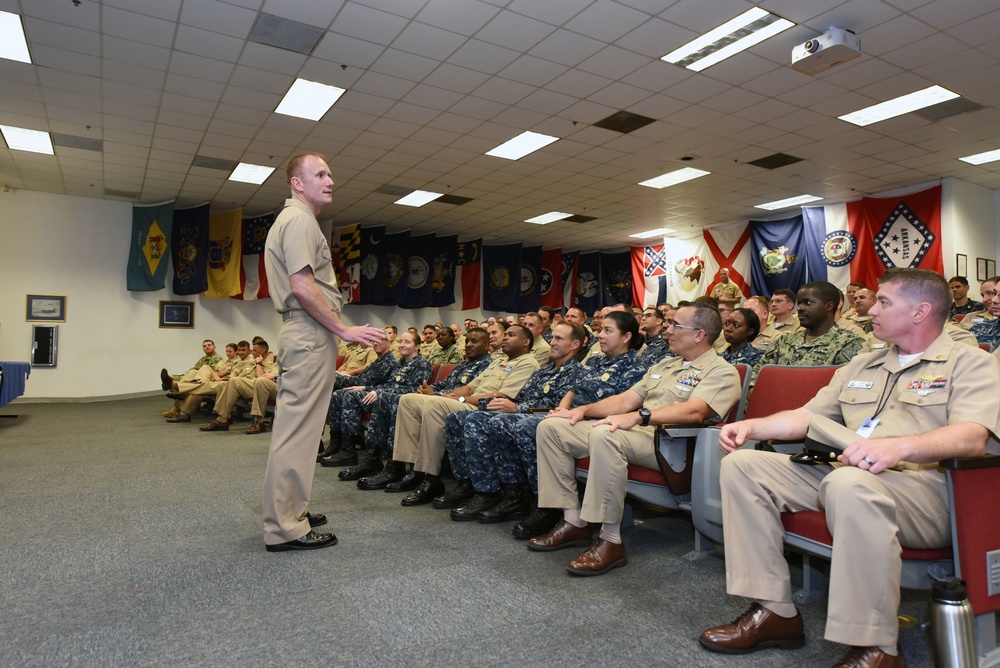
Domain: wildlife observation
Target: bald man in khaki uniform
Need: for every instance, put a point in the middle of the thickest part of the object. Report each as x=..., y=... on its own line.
x=894, y=413
x=696, y=386
x=304, y=291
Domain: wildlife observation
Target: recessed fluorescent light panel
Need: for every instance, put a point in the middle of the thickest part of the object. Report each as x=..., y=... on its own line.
x=247, y=173
x=546, y=218
x=522, y=145
x=418, y=198
x=658, y=232
x=22, y=139
x=982, y=158
x=13, y=45
x=785, y=203
x=309, y=99
x=900, y=105
x=749, y=28
x=675, y=177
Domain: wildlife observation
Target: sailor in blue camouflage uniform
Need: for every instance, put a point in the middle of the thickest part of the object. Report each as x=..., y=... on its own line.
x=618, y=369
x=471, y=442
x=740, y=328
x=349, y=404
x=987, y=330
x=382, y=426
x=651, y=327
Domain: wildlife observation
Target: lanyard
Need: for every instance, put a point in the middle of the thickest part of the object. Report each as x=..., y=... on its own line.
x=890, y=385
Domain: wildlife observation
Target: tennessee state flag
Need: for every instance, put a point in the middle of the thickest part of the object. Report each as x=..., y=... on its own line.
x=551, y=279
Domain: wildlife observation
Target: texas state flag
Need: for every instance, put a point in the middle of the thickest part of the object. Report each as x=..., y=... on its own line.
x=858, y=241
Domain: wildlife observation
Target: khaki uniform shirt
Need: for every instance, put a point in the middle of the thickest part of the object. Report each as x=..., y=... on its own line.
x=949, y=383
x=295, y=242
x=789, y=326
x=709, y=378
x=246, y=368
x=394, y=349
x=226, y=365
x=505, y=376
x=541, y=351
x=357, y=356
x=767, y=337
x=270, y=365
x=954, y=332
x=720, y=343
x=727, y=292
x=851, y=326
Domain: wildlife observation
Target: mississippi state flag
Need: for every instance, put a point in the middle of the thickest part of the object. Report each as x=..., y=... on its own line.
x=649, y=275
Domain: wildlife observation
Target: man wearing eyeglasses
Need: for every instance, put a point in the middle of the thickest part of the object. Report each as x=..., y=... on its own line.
x=697, y=386
x=891, y=415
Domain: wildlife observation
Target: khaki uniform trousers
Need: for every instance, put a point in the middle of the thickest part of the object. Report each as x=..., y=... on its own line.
x=307, y=355
x=193, y=378
x=233, y=390
x=264, y=390
x=420, y=430
x=870, y=516
x=560, y=444
x=190, y=403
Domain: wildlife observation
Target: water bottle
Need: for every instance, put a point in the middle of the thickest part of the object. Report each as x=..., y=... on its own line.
x=952, y=624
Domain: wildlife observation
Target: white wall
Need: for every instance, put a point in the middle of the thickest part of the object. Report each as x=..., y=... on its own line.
x=111, y=344
x=968, y=226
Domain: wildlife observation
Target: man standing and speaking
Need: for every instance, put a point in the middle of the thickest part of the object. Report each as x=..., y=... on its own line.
x=304, y=290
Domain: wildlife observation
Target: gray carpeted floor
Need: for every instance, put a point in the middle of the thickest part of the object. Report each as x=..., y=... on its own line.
x=129, y=541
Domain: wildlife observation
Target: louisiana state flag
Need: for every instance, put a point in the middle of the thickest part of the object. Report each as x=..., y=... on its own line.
x=225, y=244
x=149, y=247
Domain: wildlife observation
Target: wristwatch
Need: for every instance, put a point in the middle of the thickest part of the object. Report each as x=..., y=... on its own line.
x=461, y=399
x=644, y=414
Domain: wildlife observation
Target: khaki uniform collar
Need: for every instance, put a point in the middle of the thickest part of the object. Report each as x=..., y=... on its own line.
x=939, y=350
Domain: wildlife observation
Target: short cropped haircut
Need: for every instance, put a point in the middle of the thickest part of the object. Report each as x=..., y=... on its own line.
x=295, y=164
x=707, y=299
x=262, y=343
x=784, y=292
x=825, y=290
x=959, y=279
x=208, y=341
x=393, y=328
x=706, y=317
x=243, y=344
x=527, y=334
x=922, y=285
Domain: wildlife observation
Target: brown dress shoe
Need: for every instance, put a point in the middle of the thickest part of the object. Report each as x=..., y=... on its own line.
x=563, y=535
x=602, y=556
x=871, y=657
x=257, y=427
x=214, y=425
x=179, y=417
x=755, y=629
x=173, y=410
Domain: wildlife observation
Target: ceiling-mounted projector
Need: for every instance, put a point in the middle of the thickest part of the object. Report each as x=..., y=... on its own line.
x=830, y=49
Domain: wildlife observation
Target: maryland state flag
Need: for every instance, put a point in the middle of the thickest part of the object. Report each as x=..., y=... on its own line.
x=347, y=249
x=189, y=250
x=150, y=247
x=225, y=243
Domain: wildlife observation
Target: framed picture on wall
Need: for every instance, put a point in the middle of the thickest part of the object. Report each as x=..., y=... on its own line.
x=961, y=265
x=985, y=268
x=178, y=315
x=46, y=308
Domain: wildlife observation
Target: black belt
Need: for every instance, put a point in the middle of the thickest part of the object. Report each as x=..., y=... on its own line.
x=816, y=453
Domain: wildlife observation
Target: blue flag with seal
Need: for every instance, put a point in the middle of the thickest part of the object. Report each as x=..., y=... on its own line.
x=501, y=273
x=420, y=285
x=189, y=250
x=395, y=269
x=588, y=281
x=443, y=271
x=149, y=248
x=530, y=295
x=778, y=255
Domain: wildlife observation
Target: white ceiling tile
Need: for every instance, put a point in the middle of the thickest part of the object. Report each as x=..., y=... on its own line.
x=404, y=65
x=120, y=23
x=129, y=51
x=207, y=90
x=514, y=31
x=84, y=16
x=162, y=9
x=346, y=50
x=368, y=24
x=259, y=80
x=65, y=37
x=455, y=78
x=272, y=59
x=199, y=67
x=503, y=90
x=483, y=57
x=465, y=17
x=555, y=13
x=133, y=74
x=220, y=17
x=311, y=12
x=567, y=48
x=77, y=63
x=606, y=20
x=383, y=85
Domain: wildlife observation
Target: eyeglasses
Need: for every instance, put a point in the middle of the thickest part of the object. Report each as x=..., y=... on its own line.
x=677, y=325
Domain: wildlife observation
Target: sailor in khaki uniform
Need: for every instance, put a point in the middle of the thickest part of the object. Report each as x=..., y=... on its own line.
x=304, y=290
x=894, y=413
x=694, y=387
x=258, y=387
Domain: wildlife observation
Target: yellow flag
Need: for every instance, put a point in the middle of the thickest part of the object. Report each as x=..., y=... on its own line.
x=225, y=242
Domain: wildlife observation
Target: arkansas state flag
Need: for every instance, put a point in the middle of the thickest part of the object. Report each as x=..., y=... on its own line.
x=531, y=279
x=502, y=269
x=150, y=247
x=649, y=275
x=253, y=278
x=190, y=250
x=225, y=243
x=858, y=241
x=551, y=278
x=468, y=276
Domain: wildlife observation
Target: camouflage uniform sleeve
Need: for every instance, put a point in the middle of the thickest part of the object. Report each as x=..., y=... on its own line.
x=852, y=346
x=454, y=356
x=773, y=355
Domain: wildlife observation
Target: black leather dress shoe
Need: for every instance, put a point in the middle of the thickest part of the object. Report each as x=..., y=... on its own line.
x=461, y=493
x=370, y=463
x=408, y=483
x=166, y=380
x=392, y=472
x=311, y=541
x=425, y=492
x=174, y=396
x=515, y=505
x=317, y=520
x=469, y=511
x=540, y=521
